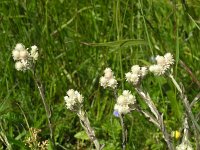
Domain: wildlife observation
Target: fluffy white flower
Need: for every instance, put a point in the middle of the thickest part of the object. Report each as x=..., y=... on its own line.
x=112, y=83
x=157, y=69
x=23, y=54
x=169, y=58
x=160, y=60
x=135, y=69
x=103, y=82
x=108, y=80
x=73, y=99
x=163, y=64
x=18, y=66
x=122, y=109
x=124, y=101
x=184, y=146
x=132, y=78
x=143, y=71
x=136, y=74
x=16, y=54
x=108, y=73
x=23, y=57
x=19, y=47
x=34, y=52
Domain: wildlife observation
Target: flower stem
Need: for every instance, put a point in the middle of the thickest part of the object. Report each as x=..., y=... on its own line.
x=47, y=109
x=187, y=106
x=124, y=132
x=89, y=130
x=158, y=116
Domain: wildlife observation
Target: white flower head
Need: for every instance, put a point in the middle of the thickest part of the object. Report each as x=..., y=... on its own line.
x=112, y=83
x=157, y=69
x=108, y=80
x=19, y=66
x=23, y=57
x=34, y=52
x=19, y=47
x=103, y=81
x=73, y=99
x=135, y=69
x=23, y=54
x=160, y=60
x=169, y=58
x=184, y=146
x=16, y=54
x=163, y=64
x=143, y=71
x=124, y=101
x=132, y=78
x=136, y=74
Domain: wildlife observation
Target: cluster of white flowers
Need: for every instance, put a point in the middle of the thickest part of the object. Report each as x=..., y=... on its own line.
x=163, y=64
x=184, y=146
x=73, y=99
x=124, y=102
x=136, y=74
x=23, y=58
x=108, y=80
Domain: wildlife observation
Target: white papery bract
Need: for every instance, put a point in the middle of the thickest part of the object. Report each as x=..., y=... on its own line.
x=136, y=74
x=163, y=64
x=34, y=52
x=184, y=146
x=124, y=102
x=73, y=99
x=108, y=80
x=23, y=58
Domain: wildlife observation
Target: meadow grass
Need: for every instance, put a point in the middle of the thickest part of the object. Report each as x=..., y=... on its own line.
x=74, y=38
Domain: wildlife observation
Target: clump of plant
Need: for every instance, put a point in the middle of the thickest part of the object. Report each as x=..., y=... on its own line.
x=33, y=140
x=25, y=60
x=126, y=102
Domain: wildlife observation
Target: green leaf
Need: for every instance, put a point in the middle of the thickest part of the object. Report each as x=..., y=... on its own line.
x=120, y=43
x=82, y=135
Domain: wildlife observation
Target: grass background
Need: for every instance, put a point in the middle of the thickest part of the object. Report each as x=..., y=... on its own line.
x=62, y=30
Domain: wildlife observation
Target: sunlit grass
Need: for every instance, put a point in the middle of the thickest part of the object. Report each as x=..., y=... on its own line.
x=77, y=40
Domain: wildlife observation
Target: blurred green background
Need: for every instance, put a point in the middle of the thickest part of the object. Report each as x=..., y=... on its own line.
x=64, y=31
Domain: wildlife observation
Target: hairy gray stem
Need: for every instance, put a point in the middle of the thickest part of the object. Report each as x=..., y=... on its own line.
x=158, y=117
x=185, y=103
x=124, y=132
x=47, y=109
x=89, y=130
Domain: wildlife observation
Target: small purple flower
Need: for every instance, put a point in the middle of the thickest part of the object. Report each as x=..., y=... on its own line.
x=116, y=113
